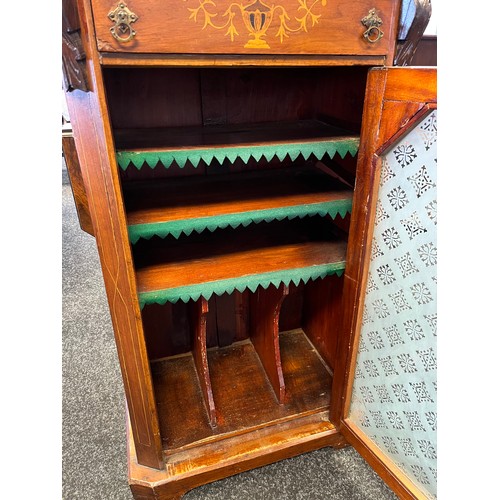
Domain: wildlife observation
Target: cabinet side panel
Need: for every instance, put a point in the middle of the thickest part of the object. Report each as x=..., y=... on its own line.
x=77, y=186
x=95, y=148
x=114, y=252
x=394, y=391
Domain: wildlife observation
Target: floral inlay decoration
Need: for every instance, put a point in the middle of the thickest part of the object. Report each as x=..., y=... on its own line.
x=257, y=18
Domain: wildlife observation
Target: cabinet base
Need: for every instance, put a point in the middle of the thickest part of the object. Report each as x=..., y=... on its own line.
x=213, y=461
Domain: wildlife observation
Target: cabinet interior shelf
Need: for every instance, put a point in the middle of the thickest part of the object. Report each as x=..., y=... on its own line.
x=182, y=205
x=272, y=253
x=243, y=396
x=182, y=144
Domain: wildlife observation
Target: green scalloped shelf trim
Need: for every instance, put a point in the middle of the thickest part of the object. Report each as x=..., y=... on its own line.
x=187, y=226
x=318, y=148
x=242, y=283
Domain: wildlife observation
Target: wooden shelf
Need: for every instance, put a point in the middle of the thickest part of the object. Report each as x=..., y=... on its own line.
x=182, y=205
x=182, y=144
x=244, y=399
x=243, y=258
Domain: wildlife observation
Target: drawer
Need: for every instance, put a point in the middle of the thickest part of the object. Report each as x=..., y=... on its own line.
x=248, y=27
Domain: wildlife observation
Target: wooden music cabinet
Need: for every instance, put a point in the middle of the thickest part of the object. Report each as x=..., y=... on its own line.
x=231, y=158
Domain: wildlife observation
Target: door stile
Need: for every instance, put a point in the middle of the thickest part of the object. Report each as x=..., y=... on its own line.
x=389, y=115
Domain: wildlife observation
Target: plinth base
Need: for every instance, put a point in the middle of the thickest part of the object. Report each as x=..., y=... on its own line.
x=212, y=461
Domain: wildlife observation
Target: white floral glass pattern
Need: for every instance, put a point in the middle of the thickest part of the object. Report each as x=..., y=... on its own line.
x=394, y=393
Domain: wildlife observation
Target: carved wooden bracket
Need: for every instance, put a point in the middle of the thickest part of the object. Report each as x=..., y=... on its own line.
x=73, y=55
x=406, y=49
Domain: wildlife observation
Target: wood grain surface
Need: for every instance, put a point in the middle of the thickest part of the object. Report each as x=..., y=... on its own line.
x=139, y=60
x=192, y=27
x=164, y=200
x=198, y=319
x=244, y=399
x=151, y=97
x=216, y=460
x=265, y=305
x=95, y=148
x=77, y=186
x=232, y=253
x=214, y=136
x=322, y=314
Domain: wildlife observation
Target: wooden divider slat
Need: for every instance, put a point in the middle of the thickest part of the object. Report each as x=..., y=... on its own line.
x=265, y=305
x=199, y=311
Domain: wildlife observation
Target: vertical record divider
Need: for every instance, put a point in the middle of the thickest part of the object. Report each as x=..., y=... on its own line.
x=265, y=306
x=322, y=312
x=198, y=320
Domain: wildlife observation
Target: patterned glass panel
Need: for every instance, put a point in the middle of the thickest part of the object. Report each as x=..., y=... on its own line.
x=394, y=393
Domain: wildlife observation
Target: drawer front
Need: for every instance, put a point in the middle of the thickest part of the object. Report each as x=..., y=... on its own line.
x=328, y=27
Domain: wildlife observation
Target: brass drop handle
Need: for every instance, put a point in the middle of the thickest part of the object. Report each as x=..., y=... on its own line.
x=372, y=22
x=123, y=17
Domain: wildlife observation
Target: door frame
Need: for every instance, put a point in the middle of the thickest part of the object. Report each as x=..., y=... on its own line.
x=397, y=98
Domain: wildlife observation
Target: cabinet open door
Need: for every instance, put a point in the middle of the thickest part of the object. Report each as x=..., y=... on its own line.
x=387, y=408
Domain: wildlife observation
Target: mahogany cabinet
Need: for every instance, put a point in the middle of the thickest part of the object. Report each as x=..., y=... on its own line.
x=231, y=157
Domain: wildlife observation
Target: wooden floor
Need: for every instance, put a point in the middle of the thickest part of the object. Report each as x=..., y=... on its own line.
x=244, y=399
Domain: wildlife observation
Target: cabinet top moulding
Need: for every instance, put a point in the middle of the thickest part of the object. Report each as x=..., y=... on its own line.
x=114, y=60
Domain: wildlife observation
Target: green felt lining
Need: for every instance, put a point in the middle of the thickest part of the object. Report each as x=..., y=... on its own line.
x=241, y=283
x=187, y=226
x=318, y=149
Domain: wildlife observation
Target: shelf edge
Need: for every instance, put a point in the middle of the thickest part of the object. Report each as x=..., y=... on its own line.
x=241, y=283
x=318, y=149
x=186, y=226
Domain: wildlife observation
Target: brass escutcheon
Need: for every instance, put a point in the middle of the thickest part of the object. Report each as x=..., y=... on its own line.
x=372, y=22
x=123, y=17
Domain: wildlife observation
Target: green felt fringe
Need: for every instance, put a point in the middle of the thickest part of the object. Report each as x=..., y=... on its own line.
x=242, y=283
x=187, y=226
x=269, y=151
